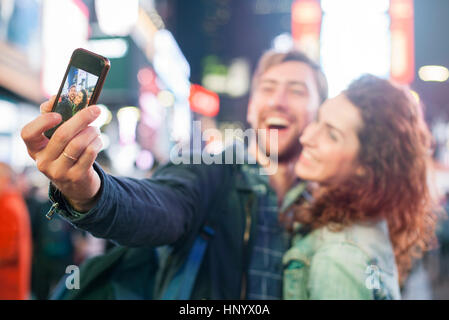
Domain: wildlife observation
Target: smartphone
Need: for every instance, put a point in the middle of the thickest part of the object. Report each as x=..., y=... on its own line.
x=81, y=85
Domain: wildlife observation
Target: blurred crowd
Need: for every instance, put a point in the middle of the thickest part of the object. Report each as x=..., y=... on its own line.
x=35, y=251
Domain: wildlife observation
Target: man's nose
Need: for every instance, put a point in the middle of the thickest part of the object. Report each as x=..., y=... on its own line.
x=279, y=99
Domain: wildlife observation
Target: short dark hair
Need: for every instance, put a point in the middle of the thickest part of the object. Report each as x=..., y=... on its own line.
x=272, y=58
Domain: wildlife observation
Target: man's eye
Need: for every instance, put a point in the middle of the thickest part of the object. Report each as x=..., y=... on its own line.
x=266, y=89
x=299, y=92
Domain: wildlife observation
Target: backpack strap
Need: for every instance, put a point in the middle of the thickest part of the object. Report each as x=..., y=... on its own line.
x=181, y=285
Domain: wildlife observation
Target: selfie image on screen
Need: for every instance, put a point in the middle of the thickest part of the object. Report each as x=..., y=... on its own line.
x=76, y=93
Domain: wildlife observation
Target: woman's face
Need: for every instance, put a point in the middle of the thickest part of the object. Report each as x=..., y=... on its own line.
x=330, y=143
x=78, y=98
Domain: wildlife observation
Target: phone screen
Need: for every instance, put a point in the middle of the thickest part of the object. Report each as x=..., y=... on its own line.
x=76, y=92
x=81, y=85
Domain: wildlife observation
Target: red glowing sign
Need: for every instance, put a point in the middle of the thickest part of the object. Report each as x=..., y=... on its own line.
x=147, y=80
x=203, y=101
x=306, y=26
x=402, y=41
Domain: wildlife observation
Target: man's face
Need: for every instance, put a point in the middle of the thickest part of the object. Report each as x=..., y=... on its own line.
x=72, y=93
x=282, y=100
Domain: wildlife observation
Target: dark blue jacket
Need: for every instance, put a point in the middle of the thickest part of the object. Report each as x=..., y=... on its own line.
x=171, y=208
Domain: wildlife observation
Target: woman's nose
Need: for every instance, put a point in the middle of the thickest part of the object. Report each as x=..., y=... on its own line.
x=308, y=136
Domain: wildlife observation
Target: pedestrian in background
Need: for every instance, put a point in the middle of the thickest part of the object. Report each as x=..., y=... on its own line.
x=15, y=240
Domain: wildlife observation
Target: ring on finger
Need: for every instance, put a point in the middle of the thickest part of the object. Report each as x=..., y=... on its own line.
x=69, y=156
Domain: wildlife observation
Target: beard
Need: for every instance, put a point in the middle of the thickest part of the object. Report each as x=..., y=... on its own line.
x=291, y=152
x=288, y=153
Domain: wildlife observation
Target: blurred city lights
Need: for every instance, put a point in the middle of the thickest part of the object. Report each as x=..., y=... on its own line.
x=306, y=11
x=146, y=76
x=354, y=41
x=61, y=34
x=203, y=101
x=402, y=33
x=153, y=113
x=433, y=73
x=215, y=82
x=124, y=157
x=401, y=8
x=369, y=6
x=16, y=151
x=170, y=64
x=145, y=160
x=127, y=119
x=128, y=113
x=104, y=118
x=415, y=95
x=219, y=78
x=117, y=17
x=214, y=74
x=105, y=140
x=306, y=26
x=237, y=80
x=110, y=48
x=283, y=42
x=9, y=117
x=181, y=128
x=148, y=81
x=166, y=98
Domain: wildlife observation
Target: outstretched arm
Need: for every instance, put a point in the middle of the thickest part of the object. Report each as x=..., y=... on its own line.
x=152, y=211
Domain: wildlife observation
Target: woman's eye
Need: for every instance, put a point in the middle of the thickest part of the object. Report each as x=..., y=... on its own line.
x=332, y=135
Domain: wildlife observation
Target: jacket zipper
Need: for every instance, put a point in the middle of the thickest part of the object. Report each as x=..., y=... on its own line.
x=52, y=211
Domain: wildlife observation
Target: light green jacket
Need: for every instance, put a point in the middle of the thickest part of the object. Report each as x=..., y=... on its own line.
x=355, y=263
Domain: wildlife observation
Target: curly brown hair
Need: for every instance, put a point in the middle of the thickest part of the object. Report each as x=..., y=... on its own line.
x=394, y=155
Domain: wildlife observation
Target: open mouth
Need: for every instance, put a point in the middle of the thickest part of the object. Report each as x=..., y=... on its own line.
x=276, y=123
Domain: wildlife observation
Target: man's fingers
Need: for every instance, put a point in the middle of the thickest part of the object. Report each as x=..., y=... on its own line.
x=32, y=133
x=77, y=146
x=89, y=155
x=47, y=105
x=69, y=129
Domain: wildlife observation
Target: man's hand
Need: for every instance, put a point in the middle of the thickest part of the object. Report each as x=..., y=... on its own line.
x=67, y=158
